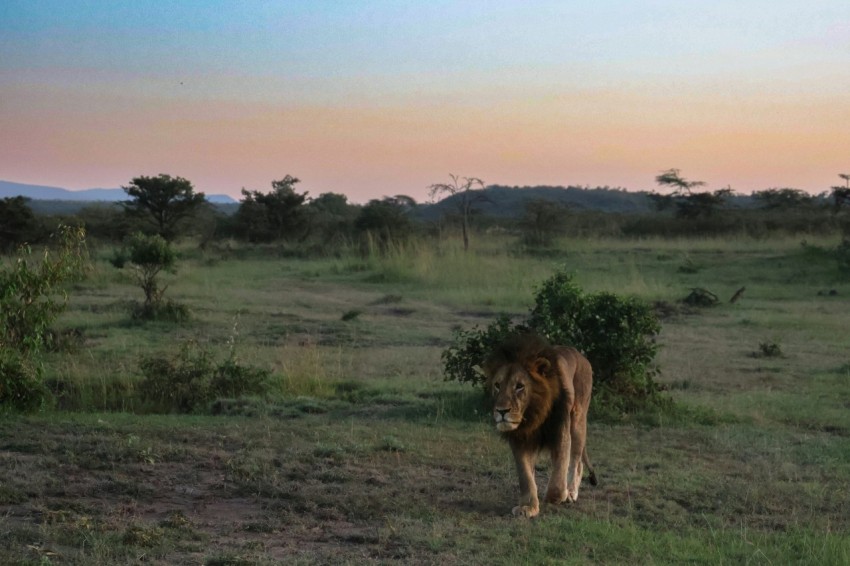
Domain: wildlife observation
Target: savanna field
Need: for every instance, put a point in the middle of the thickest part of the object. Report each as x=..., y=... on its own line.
x=361, y=451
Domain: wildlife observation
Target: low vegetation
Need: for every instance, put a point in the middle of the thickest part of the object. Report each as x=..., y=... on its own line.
x=302, y=413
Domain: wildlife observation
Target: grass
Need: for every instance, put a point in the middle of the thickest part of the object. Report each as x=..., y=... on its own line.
x=361, y=453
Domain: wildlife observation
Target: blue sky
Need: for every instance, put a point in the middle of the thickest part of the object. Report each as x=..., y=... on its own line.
x=378, y=97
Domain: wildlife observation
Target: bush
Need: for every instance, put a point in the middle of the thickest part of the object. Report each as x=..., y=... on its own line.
x=151, y=255
x=31, y=297
x=192, y=379
x=21, y=384
x=616, y=334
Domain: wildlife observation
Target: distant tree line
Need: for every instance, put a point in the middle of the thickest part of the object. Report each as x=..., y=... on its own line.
x=171, y=208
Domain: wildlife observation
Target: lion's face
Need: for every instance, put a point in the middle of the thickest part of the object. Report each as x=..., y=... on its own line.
x=511, y=387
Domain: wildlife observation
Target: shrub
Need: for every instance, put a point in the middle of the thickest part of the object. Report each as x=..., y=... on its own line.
x=21, y=383
x=616, y=334
x=190, y=380
x=151, y=255
x=768, y=350
x=31, y=297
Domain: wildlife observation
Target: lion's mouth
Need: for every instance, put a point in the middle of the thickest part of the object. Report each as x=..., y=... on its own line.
x=506, y=426
x=503, y=423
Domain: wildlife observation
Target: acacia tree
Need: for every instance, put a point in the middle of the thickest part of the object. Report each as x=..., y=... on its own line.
x=688, y=203
x=673, y=178
x=164, y=200
x=465, y=190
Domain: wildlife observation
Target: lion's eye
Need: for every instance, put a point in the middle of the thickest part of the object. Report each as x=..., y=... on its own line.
x=496, y=387
x=519, y=387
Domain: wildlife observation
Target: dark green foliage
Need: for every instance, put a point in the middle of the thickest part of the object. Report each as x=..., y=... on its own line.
x=109, y=222
x=783, y=198
x=464, y=356
x=351, y=315
x=686, y=203
x=277, y=215
x=164, y=201
x=699, y=297
x=149, y=256
x=31, y=297
x=768, y=350
x=385, y=222
x=701, y=205
x=18, y=224
x=330, y=220
x=189, y=381
x=616, y=334
x=21, y=385
x=31, y=291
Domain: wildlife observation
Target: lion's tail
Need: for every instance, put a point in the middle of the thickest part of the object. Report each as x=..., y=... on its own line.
x=592, y=475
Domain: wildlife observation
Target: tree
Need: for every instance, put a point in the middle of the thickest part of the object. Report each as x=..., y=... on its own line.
x=277, y=215
x=330, y=218
x=464, y=190
x=163, y=200
x=387, y=220
x=18, y=224
x=688, y=204
x=701, y=204
x=841, y=195
x=673, y=178
x=774, y=199
x=150, y=255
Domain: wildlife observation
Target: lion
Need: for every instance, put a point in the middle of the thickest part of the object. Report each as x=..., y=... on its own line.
x=541, y=395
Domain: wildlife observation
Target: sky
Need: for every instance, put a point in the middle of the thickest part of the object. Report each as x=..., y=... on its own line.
x=375, y=98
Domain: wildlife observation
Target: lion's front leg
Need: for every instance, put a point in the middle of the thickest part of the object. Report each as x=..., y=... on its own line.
x=558, y=488
x=529, y=505
x=578, y=432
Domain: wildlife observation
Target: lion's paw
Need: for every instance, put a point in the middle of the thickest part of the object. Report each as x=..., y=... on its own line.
x=557, y=497
x=525, y=511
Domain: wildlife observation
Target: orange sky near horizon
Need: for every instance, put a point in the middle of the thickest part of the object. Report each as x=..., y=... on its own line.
x=367, y=134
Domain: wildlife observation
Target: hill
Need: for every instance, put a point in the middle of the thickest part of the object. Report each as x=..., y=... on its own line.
x=507, y=202
x=41, y=192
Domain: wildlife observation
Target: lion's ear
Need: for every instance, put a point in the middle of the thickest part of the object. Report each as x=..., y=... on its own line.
x=542, y=365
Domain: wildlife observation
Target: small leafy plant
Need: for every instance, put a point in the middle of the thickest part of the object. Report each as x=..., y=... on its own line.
x=768, y=349
x=149, y=256
x=190, y=380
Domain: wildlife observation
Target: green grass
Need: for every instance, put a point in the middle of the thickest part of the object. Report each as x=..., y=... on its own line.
x=361, y=453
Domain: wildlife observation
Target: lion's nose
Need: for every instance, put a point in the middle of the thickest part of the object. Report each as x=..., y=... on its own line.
x=502, y=412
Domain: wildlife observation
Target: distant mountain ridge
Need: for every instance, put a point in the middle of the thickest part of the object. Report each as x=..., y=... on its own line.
x=41, y=192
x=509, y=202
